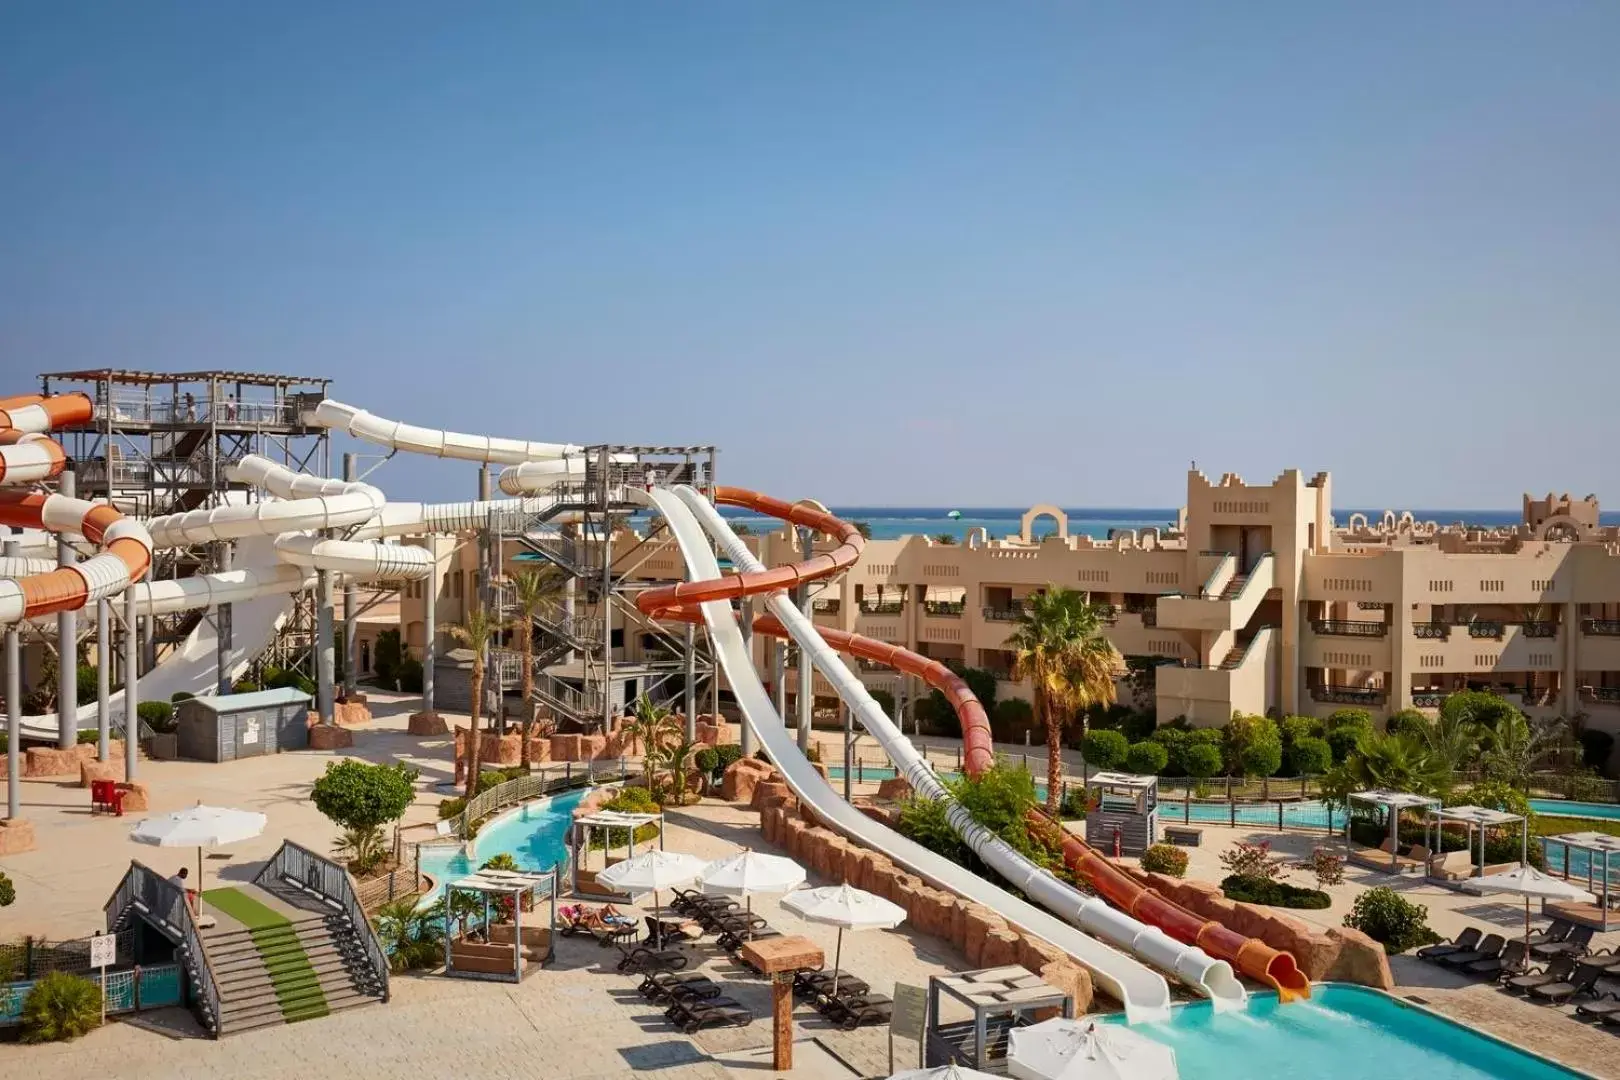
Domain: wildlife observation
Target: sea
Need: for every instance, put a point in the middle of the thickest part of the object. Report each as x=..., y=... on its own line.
x=890, y=522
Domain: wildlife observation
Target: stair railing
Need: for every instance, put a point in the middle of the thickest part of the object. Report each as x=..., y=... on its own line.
x=167, y=908
x=332, y=883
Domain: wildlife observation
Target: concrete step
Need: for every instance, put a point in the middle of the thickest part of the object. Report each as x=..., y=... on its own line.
x=245, y=978
x=269, y=1016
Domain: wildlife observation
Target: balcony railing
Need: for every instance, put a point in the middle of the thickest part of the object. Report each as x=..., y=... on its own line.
x=1349, y=627
x=1150, y=618
x=1540, y=629
x=1428, y=699
x=947, y=609
x=887, y=607
x=826, y=607
x=1349, y=695
x=1601, y=627
x=1434, y=631
x=1009, y=614
x=1485, y=628
x=1609, y=694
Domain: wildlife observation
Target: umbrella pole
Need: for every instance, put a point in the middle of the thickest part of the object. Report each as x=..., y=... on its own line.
x=838, y=959
x=199, y=879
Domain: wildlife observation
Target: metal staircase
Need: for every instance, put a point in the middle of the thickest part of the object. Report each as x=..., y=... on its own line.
x=145, y=896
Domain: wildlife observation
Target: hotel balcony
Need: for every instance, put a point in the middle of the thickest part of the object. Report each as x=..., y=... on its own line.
x=1207, y=696
x=1485, y=645
x=1366, y=697
x=1227, y=601
x=1343, y=644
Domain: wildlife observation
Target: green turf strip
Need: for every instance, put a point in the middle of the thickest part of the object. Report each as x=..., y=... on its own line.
x=297, y=987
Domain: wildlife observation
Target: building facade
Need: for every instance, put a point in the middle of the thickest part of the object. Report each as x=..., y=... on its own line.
x=1256, y=600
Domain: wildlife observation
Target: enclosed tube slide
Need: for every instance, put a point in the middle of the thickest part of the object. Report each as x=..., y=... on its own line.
x=1143, y=991
x=1252, y=956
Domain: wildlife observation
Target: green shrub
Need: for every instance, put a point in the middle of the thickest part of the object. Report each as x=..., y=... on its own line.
x=360, y=799
x=1391, y=920
x=1011, y=718
x=1342, y=742
x=412, y=937
x=1250, y=861
x=1357, y=719
x=633, y=800
x=246, y=686
x=1481, y=706
x=1074, y=804
x=885, y=701
x=87, y=737
x=707, y=760
x=1165, y=859
x=1295, y=728
x=1409, y=721
x=1273, y=893
x=386, y=657
x=1328, y=867
x=449, y=808
x=1310, y=756
x=409, y=675
x=85, y=677
x=1104, y=749
x=1263, y=757
x=159, y=715
x=8, y=891
x=1596, y=746
x=1146, y=758
x=59, y=1007
x=1201, y=760
x=730, y=754
x=181, y=695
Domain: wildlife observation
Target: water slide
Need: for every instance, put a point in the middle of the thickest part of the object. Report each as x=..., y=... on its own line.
x=1137, y=906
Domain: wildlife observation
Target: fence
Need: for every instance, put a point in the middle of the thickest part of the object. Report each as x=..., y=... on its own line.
x=31, y=957
x=166, y=906
x=573, y=774
x=130, y=990
x=401, y=881
x=325, y=878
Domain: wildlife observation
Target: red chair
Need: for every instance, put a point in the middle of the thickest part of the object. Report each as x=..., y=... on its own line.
x=98, y=795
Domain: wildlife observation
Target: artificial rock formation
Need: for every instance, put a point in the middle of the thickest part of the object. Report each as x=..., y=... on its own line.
x=427, y=723
x=330, y=737
x=16, y=836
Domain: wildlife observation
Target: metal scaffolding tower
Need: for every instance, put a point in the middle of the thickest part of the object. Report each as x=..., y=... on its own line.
x=581, y=676
x=161, y=442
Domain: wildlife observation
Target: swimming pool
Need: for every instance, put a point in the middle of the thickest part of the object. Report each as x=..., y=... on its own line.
x=1343, y=1033
x=1565, y=808
x=533, y=834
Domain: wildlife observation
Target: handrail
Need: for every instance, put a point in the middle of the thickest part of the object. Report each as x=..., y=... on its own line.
x=1254, y=573
x=1262, y=632
x=331, y=882
x=167, y=904
x=1209, y=588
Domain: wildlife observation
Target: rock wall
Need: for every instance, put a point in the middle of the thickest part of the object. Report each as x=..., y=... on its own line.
x=984, y=937
x=49, y=761
x=1338, y=953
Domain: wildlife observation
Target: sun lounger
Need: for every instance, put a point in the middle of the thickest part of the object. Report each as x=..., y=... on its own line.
x=1464, y=942
x=1560, y=968
x=733, y=942
x=1511, y=962
x=1557, y=931
x=644, y=961
x=810, y=985
x=1576, y=944
x=1605, y=1000
x=850, y=1011
x=693, y=1016
x=1581, y=982
x=667, y=987
x=1490, y=947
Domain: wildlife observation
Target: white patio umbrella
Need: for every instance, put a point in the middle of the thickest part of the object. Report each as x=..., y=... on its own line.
x=847, y=909
x=651, y=871
x=749, y=872
x=952, y=1071
x=1061, y=1049
x=1530, y=883
x=199, y=827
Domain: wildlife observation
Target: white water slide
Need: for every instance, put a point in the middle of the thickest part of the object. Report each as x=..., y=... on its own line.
x=1144, y=992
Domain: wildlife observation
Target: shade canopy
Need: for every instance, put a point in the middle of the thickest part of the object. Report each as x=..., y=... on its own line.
x=1397, y=800
x=748, y=873
x=1478, y=815
x=652, y=870
x=844, y=907
x=199, y=827
x=952, y=1071
x=1528, y=882
x=1062, y=1049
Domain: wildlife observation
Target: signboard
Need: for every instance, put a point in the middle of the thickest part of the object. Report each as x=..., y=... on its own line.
x=103, y=950
x=250, y=731
x=909, y=1019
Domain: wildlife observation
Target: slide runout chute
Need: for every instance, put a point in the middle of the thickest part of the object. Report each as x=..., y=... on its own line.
x=1190, y=964
x=1143, y=992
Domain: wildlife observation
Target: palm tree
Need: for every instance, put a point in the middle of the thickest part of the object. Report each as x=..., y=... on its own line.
x=1453, y=740
x=475, y=631
x=1060, y=648
x=531, y=590
x=1399, y=762
x=1513, y=748
x=657, y=730
x=677, y=759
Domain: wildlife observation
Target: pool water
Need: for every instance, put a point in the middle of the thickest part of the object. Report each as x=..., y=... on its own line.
x=534, y=835
x=1342, y=1033
x=1564, y=808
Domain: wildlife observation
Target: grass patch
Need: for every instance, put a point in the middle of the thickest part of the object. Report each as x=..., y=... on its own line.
x=297, y=987
x=1256, y=890
x=1552, y=826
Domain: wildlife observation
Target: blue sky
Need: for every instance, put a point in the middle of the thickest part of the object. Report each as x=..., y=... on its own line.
x=915, y=253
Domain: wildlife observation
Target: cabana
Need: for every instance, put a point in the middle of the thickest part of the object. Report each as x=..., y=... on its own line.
x=505, y=950
x=1600, y=849
x=1480, y=818
x=1388, y=856
x=584, y=881
x=1123, y=812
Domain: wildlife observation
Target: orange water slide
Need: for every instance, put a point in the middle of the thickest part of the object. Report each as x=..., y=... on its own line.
x=1251, y=956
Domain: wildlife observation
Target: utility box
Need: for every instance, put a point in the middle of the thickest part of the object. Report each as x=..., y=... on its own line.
x=224, y=728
